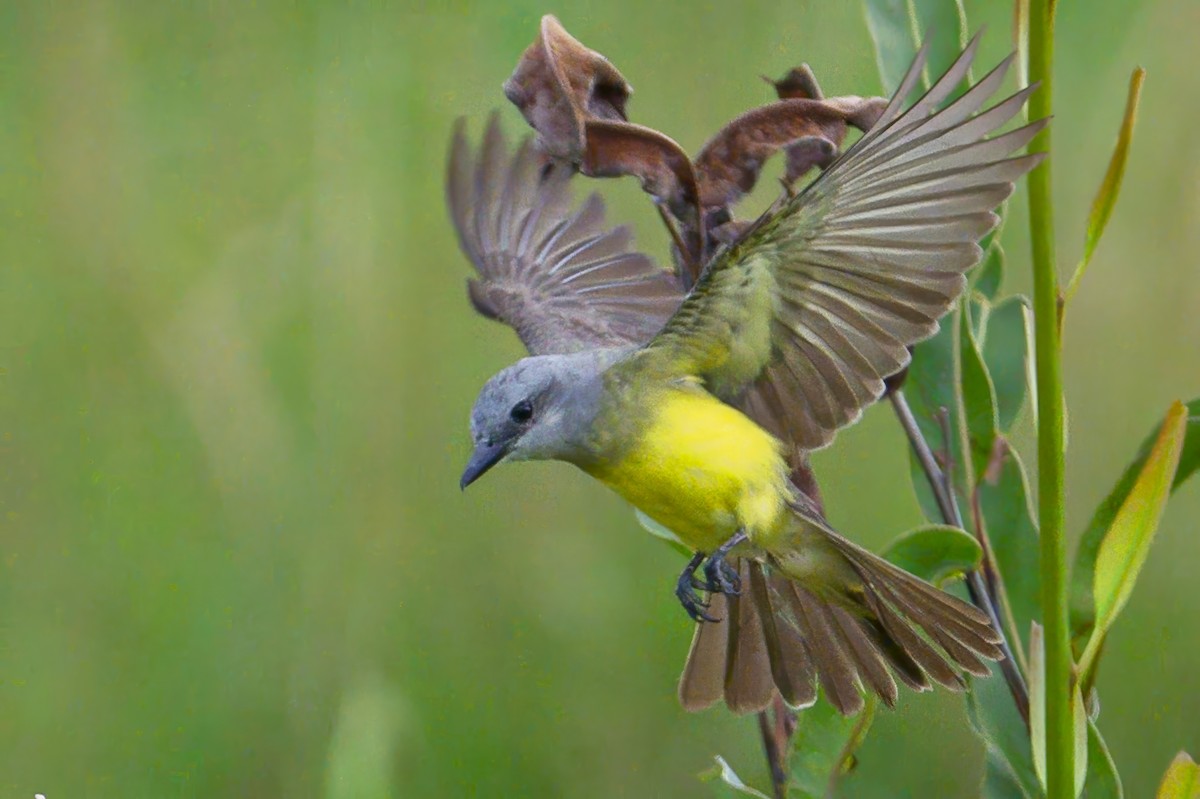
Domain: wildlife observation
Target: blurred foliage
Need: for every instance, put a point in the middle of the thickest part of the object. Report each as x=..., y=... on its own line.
x=236, y=361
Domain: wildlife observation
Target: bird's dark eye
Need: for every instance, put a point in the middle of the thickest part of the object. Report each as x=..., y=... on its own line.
x=522, y=412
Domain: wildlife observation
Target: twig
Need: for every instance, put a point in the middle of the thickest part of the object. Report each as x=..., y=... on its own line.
x=976, y=585
x=776, y=737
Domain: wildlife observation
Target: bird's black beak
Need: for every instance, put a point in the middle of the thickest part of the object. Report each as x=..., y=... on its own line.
x=485, y=456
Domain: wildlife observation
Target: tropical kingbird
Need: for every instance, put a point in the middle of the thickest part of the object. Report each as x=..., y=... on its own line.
x=814, y=307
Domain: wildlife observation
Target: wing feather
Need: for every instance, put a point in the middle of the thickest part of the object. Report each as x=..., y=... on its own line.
x=557, y=274
x=859, y=266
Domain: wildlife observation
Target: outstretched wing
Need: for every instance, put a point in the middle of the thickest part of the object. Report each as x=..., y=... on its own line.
x=819, y=303
x=556, y=275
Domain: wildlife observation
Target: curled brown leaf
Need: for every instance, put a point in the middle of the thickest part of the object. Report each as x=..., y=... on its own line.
x=811, y=131
x=559, y=84
x=616, y=149
x=798, y=84
x=729, y=165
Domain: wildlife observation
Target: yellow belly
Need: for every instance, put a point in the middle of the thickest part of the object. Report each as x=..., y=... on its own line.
x=703, y=470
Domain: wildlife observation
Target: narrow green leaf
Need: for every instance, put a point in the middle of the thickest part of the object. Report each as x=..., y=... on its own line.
x=1004, y=503
x=898, y=27
x=659, y=531
x=1127, y=542
x=824, y=745
x=989, y=275
x=1182, y=780
x=1110, y=187
x=1037, y=701
x=1006, y=358
x=931, y=385
x=1037, y=713
x=1083, y=611
x=894, y=32
x=1021, y=45
x=979, y=399
x=935, y=553
x=729, y=780
x=1009, y=771
x=999, y=782
x=1079, y=716
x=946, y=22
x=1103, y=781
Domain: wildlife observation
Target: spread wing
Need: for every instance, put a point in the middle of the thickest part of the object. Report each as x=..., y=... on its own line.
x=816, y=305
x=556, y=275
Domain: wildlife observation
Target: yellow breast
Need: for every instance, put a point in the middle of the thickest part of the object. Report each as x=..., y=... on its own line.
x=701, y=469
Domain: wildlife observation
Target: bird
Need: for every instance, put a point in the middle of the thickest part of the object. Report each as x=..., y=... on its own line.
x=644, y=386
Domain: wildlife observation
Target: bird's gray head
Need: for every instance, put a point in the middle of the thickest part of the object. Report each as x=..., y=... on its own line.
x=536, y=409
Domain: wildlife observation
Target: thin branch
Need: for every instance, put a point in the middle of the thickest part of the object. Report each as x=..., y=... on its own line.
x=976, y=585
x=776, y=737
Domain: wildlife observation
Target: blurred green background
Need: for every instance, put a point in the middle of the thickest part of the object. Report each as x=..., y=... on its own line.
x=236, y=362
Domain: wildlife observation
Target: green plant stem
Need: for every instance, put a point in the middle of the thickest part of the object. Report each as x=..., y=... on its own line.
x=1060, y=749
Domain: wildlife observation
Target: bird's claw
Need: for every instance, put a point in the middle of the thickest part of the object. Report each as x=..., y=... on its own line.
x=722, y=578
x=685, y=591
x=692, y=603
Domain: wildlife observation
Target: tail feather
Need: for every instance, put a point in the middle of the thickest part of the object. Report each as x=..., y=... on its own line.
x=787, y=635
x=702, y=683
x=836, y=670
x=791, y=663
x=901, y=663
x=871, y=667
x=749, y=683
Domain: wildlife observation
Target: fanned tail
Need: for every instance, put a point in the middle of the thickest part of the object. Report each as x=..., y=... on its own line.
x=788, y=633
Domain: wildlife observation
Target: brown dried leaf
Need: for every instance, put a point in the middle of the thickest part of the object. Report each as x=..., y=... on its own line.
x=731, y=231
x=729, y=165
x=861, y=112
x=616, y=149
x=799, y=84
x=810, y=130
x=559, y=84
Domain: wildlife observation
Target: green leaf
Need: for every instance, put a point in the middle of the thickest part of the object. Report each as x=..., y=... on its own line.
x=1009, y=772
x=729, y=781
x=979, y=399
x=897, y=34
x=1004, y=504
x=1125, y=546
x=1037, y=713
x=999, y=782
x=1083, y=613
x=1006, y=355
x=935, y=553
x=1103, y=781
x=1080, y=719
x=894, y=32
x=946, y=22
x=662, y=532
x=1021, y=35
x=930, y=387
x=823, y=747
x=990, y=272
x=1110, y=187
x=1037, y=701
x=1182, y=780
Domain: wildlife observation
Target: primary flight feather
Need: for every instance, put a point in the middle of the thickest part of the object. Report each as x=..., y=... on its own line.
x=689, y=407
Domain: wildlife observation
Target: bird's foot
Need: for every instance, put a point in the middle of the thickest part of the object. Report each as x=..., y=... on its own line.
x=720, y=578
x=723, y=577
x=685, y=590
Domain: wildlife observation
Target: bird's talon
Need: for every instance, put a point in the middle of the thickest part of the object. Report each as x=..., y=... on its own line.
x=722, y=577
